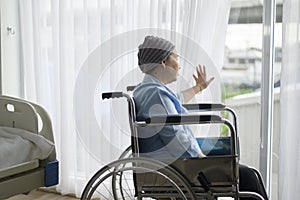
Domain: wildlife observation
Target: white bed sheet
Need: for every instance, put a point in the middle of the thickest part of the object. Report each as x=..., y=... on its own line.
x=19, y=146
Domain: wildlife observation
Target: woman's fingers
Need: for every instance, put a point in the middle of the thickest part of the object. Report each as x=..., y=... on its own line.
x=201, y=72
x=196, y=79
x=200, y=69
x=210, y=80
x=201, y=77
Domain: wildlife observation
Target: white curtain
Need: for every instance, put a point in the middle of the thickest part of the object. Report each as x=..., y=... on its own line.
x=73, y=50
x=289, y=150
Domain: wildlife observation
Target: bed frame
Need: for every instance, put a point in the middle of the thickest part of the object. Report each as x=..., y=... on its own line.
x=24, y=177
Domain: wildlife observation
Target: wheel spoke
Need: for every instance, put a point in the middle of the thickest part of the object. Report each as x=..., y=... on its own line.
x=129, y=186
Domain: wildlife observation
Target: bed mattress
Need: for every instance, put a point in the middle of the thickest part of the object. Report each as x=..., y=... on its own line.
x=20, y=146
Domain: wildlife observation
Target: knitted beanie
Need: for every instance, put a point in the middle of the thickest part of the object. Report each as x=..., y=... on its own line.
x=153, y=51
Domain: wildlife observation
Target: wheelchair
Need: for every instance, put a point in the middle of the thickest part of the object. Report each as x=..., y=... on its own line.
x=133, y=176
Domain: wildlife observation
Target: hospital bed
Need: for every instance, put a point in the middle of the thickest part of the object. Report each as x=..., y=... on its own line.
x=133, y=176
x=27, y=150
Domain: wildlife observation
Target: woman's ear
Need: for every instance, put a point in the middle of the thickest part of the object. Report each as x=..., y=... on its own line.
x=163, y=63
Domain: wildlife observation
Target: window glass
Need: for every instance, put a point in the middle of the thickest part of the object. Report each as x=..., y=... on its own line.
x=242, y=74
x=242, y=79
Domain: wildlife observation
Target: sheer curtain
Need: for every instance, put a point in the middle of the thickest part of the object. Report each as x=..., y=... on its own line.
x=72, y=50
x=289, y=150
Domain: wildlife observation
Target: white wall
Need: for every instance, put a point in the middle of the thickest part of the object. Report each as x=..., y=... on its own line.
x=10, y=50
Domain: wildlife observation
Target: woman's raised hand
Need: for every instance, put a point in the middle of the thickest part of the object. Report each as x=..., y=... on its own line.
x=200, y=79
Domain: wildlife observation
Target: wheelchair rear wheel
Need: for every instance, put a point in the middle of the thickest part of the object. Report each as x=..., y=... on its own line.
x=117, y=181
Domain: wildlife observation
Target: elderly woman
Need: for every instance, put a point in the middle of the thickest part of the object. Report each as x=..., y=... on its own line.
x=158, y=59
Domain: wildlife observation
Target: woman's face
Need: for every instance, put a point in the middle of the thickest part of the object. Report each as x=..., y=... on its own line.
x=172, y=66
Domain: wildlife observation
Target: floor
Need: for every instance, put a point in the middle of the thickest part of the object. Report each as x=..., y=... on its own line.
x=41, y=195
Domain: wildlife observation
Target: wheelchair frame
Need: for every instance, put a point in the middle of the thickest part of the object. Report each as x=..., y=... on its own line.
x=185, y=178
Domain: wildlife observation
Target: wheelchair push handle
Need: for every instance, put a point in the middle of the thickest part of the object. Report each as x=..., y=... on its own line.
x=110, y=95
x=130, y=88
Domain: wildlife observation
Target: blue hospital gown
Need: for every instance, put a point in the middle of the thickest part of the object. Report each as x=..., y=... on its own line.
x=153, y=98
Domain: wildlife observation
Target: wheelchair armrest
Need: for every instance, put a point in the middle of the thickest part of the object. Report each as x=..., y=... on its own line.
x=183, y=119
x=205, y=106
x=212, y=107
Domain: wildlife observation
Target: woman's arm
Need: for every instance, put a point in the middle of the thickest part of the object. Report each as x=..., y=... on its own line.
x=201, y=84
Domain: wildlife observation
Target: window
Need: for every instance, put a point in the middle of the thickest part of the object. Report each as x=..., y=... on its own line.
x=242, y=81
x=242, y=61
x=251, y=61
x=231, y=60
